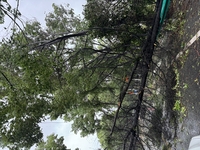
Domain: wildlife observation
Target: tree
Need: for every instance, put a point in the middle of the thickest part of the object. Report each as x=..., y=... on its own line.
x=53, y=142
x=119, y=19
x=28, y=80
x=37, y=80
x=78, y=74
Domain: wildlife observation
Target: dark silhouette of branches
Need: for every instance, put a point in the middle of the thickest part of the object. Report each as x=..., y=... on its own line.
x=146, y=59
x=122, y=95
x=59, y=39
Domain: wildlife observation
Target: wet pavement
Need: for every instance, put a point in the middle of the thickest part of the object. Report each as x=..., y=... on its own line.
x=190, y=80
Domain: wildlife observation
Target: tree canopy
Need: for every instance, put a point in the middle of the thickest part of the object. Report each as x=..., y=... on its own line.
x=91, y=71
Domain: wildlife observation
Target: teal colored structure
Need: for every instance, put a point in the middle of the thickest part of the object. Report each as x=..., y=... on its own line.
x=163, y=12
x=164, y=9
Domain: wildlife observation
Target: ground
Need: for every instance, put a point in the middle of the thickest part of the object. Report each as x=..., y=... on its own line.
x=189, y=73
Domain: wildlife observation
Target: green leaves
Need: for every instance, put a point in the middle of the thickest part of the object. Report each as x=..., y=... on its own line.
x=35, y=80
x=22, y=132
x=53, y=142
x=62, y=20
x=115, y=19
x=78, y=78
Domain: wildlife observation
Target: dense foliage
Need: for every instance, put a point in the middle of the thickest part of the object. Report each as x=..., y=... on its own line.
x=75, y=69
x=53, y=142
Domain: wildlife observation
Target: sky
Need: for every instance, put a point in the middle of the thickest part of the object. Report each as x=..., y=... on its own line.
x=71, y=140
x=37, y=10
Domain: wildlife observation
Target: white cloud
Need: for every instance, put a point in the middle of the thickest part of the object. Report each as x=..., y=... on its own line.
x=39, y=8
x=72, y=140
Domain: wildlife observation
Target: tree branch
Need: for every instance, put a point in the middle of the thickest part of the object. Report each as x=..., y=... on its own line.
x=11, y=85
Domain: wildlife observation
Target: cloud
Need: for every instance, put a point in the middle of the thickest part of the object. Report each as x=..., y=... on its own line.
x=72, y=140
x=38, y=9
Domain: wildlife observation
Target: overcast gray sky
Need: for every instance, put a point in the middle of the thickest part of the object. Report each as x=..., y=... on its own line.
x=37, y=10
